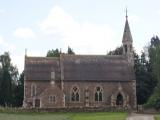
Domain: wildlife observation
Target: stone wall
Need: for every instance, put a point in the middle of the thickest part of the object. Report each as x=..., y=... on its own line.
x=127, y=89
x=44, y=89
x=76, y=109
x=63, y=95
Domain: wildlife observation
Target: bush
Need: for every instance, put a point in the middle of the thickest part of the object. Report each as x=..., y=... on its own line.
x=154, y=100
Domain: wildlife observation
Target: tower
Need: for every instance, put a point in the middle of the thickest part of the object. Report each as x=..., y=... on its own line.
x=127, y=42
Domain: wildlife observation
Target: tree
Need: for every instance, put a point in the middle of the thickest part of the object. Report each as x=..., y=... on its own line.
x=144, y=79
x=154, y=55
x=117, y=51
x=1, y=73
x=57, y=52
x=70, y=51
x=9, y=76
x=53, y=53
x=154, y=42
x=19, y=91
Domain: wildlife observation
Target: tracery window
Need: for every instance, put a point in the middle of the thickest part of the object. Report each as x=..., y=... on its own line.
x=98, y=94
x=75, y=94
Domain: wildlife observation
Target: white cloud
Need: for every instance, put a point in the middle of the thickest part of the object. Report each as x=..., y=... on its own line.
x=18, y=60
x=6, y=45
x=24, y=33
x=34, y=53
x=83, y=37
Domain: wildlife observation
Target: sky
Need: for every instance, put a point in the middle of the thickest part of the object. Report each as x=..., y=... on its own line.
x=87, y=26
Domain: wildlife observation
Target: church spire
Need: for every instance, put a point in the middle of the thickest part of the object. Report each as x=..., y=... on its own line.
x=127, y=34
x=126, y=14
x=127, y=41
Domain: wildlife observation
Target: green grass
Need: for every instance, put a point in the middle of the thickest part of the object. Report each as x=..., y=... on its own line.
x=157, y=117
x=99, y=116
x=63, y=116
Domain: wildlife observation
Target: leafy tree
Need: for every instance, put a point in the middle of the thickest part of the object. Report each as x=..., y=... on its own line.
x=154, y=55
x=1, y=73
x=9, y=76
x=144, y=79
x=57, y=52
x=19, y=91
x=117, y=51
x=70, y=51
x=154, y=42
x=53, y=53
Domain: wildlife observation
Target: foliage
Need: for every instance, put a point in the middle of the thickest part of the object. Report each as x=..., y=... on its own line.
x=154, y=54
x=19, y=91
x=70, y=51
x=11, y=88
x=117, y=51
x=1, y=77
x=53, y=53
x=154, y=42
x=9, y=77
x=57, y=52
x=144, y=79
x=154, y=100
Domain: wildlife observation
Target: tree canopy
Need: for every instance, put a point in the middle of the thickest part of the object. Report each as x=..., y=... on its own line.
x=57, y=52
x=9, y=82
x=117, y=51
x=54, y=53
x=70, y=50
x=9, y=76
x=154, y=57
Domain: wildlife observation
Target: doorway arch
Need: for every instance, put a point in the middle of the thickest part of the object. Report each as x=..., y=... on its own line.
x=119, y=99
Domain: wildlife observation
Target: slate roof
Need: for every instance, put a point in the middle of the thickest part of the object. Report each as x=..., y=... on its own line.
x=97, y=68
x=80, y=68
x=40, y=68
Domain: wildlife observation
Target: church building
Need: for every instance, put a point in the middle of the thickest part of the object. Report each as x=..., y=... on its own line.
x=77, y=81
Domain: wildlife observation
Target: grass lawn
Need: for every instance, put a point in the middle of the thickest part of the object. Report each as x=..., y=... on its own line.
x=64, y=116
x=157, y=117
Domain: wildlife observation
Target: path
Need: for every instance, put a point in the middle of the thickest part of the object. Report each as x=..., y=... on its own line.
x=140, y=117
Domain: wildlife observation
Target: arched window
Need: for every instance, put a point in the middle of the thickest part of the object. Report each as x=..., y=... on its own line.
x=98, y=94
x=119, y=100
x=33, y=90
x=75, y=94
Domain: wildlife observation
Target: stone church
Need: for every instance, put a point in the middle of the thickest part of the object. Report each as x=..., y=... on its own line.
x=77, y=81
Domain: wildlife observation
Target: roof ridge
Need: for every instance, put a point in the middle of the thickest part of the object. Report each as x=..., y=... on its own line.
x=94, y=55
x=41, y=57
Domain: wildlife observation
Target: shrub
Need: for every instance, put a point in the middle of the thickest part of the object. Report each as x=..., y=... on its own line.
x=154, y=100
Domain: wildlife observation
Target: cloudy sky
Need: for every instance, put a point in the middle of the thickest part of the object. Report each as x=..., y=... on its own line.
x=87, y=26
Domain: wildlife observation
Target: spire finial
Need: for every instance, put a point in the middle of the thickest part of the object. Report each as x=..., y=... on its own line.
x=126, y=13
